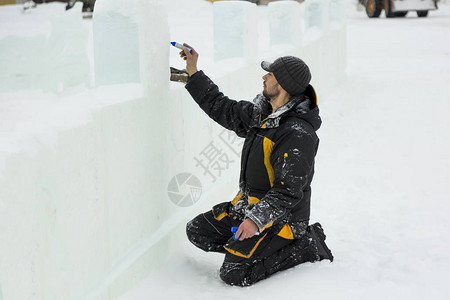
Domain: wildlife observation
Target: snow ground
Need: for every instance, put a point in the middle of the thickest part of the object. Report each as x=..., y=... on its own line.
x=381, y=188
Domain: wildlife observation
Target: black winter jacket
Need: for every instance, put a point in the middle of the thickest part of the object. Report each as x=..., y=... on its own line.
x=277, y=163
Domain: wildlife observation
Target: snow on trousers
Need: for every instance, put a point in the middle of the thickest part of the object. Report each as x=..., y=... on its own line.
x=250, y=260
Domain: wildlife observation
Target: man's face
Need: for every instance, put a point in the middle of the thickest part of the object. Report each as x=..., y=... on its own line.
x=271, y=86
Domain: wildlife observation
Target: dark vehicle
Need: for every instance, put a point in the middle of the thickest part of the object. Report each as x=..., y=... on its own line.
x=398, y=8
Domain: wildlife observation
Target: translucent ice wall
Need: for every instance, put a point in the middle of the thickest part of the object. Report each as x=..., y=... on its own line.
x=95, y=188
x=235, y=30
x=53, y=61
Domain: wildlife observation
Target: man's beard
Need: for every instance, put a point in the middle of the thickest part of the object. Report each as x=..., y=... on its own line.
x=269, y=96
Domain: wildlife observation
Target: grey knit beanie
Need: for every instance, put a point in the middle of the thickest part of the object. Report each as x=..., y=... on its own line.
x=291, y=73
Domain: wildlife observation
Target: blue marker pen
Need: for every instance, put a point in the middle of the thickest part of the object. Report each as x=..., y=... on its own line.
x=179, y=46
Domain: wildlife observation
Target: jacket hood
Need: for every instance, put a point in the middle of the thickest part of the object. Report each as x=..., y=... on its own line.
x=303, y=106
x=307, y=109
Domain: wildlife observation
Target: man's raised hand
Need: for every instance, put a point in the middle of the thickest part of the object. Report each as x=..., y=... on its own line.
x=190, y=58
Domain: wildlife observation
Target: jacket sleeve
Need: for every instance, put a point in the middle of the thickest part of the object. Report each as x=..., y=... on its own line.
x=292, y=159
x=231, y=114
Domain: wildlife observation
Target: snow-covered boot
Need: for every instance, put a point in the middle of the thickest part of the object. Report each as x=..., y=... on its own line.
x=70, y=4
x=244, y=274
x=315, y=232
x=28, y=5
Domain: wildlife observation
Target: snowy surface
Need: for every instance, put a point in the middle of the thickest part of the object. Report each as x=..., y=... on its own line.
x=381, y=189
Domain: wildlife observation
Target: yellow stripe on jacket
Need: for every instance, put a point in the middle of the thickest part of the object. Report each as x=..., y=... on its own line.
x=268, y=147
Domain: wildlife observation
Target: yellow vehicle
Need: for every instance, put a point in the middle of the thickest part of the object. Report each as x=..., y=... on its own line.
x=398, y=8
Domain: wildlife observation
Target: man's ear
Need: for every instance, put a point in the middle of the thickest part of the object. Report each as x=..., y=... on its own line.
x=285, y=92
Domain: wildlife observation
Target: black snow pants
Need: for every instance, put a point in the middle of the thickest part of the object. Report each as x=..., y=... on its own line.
x=250, y=260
